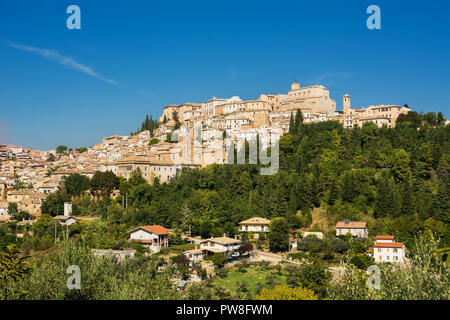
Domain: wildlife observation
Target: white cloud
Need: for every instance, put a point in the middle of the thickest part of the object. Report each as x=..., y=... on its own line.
x=66, y=61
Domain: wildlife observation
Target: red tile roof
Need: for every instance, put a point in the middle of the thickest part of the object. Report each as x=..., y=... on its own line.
x=155, y=229
x=388, y=245
x=385, y=237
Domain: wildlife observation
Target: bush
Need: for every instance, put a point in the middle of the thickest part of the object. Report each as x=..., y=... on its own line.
x=286, y=293
x=311, y=244
x=245, y=247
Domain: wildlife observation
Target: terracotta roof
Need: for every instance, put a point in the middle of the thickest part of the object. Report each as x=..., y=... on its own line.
x=223, y=240
x=255, y=220
x=388, y=245
x=351, y=224
x=156, y=229
x=385, y=237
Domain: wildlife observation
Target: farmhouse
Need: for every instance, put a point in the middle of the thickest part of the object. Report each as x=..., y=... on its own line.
x=384, y=252
x=155, y=237
x=355, y=228
x=256, y=224
x=194, y=255
x=223, y=245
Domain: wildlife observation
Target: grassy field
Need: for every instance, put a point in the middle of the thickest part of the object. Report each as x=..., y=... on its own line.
x=252, y=277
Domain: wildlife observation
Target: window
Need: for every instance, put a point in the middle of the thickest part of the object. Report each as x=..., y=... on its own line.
x=395, y=250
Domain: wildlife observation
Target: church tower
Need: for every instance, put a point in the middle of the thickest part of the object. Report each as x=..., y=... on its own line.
x=295, y=85
x=346, y=104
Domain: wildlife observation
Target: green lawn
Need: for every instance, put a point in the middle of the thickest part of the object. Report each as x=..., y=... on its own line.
x=252, y=276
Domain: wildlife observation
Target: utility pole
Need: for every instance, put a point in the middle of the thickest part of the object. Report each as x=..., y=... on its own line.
x=189, y=231
x=126, y=201
x=123, y=202
x=67, y=231
x=55, y=232
x=108, y=211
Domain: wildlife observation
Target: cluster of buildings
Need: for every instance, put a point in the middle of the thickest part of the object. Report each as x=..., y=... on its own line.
x=274, y=111
x=385, y=248
x=155, y=237
x=190, y=135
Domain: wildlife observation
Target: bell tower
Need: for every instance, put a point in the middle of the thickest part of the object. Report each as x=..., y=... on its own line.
x=346, y=104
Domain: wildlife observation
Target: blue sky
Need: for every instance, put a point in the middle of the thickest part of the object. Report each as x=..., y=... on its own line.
x=131, y=58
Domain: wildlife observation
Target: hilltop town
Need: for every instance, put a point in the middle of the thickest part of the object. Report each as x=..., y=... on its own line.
x=27, y=175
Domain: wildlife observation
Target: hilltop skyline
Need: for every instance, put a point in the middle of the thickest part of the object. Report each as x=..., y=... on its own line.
x=73, y=87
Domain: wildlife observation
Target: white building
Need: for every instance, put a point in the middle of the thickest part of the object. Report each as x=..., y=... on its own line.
x=223, y=245
x=355, y=228
x=194, y=255
x=256, y=224
x=393, y=252
x=155, y=237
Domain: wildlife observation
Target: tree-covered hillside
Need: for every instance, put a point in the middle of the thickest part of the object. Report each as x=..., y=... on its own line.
x=395, y=178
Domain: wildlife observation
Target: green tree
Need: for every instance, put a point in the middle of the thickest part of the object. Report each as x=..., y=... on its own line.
x=136, y=178
x=279, y=235
x=76, y=184
x=12, y=268
x=387, y=200
x=13, y=209
x=440, y=210
x=313, y=275
x=104, y=183
x=61, y=149
x=54, y=204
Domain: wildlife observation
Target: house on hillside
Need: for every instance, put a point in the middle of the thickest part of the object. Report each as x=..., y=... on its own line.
x=194, y=255
x=256, y=224
x=355, y=228
x=65, y=220
x=389, y=251
x=154, y=237
x=223, y=245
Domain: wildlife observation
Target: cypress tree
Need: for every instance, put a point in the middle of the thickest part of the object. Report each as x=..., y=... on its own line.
x=298, y=121
x=291, y=124
x=407, y=207
x=440, y=209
